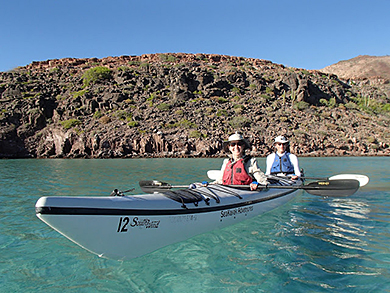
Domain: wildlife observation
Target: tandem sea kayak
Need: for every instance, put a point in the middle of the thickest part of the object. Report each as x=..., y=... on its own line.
x=126, y=227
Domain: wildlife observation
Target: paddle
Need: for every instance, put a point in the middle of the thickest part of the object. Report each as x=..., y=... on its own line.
x=332, y=188
x=150, y=186
x=363, y=179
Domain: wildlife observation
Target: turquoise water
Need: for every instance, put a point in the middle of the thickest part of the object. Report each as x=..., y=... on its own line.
x=311, y=244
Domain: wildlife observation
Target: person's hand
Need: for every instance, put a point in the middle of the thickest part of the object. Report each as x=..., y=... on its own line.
x=253, y=185
x=294, y=177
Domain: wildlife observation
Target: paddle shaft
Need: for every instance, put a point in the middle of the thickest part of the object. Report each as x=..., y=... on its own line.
x=340, y=187
x=363, y=179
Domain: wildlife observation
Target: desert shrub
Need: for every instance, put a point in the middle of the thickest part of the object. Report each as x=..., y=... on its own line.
x=97, y=114
x=331, y=103
x=134, y=63
x=324, y=102
x=351, y=105
x=167, y=58
x=221, y=100
x=195, y=134
x=209, y=110
x=179, y=112
x=105, y=119
x=222, y=112
x=123, y=115
x=163, y=107
x=301, y=105
x=128, y=101
x=186, y=124
x=133, y=124
x=239, y=122
x=79, y=93
x=67, y=124
x=236, y=90
x=96, y=74
x=124, y=68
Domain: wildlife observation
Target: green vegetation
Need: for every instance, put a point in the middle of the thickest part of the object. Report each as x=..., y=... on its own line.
x=222, y=112
x=167, y=58
x=370, y=105
x=179, y=112
x=331, y=103
x=238, y=109
x=239, y=122
x=301, y=105
x=187, y=124
x=123, y=115
x=67, y=124
x=134, y=63
x=97, y=115
x=184, y=123
x=79, y=93
x=96, y=74
x=163, y=107
x=236, y=90
x=124, y=68
x=133, y=124
x=221, y=100
x=196, y=134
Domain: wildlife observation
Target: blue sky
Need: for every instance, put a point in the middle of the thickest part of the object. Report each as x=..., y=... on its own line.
x=308, y=34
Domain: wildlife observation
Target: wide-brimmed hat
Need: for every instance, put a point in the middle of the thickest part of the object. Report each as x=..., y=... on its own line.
x=235, y=137
x=281, y=139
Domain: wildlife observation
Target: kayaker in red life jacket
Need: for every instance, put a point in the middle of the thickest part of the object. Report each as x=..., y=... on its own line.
x=282, y=162
x=240, y=169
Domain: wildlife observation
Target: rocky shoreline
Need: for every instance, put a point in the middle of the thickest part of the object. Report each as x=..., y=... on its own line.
x=184, y=105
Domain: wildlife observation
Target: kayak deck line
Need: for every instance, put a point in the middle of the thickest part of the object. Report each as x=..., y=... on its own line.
x=196, y=195
x=51, y=210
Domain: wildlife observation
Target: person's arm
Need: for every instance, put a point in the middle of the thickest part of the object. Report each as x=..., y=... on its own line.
x=269, y=162
x=256, y=172
x=219, y=179
x=294, y=161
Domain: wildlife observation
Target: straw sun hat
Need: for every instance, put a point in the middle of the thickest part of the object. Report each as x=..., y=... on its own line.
x=235, y=137
x=281, y=139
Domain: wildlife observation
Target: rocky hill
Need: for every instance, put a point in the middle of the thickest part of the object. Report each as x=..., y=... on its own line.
x=178, y=105
x=364, y=70
x=362, y=67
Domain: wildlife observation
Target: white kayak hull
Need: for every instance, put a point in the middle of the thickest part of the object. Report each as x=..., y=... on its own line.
x=131, y=226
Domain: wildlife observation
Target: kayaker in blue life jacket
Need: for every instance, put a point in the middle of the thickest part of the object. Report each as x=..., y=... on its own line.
x=240, y=169
x=282, y=162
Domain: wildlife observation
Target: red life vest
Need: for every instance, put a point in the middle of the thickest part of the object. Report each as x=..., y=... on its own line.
x=236, y=174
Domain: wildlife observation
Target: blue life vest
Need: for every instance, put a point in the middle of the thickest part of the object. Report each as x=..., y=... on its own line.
x=282, y=164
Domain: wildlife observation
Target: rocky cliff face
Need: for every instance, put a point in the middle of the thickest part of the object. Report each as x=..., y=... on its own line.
x=177, y=105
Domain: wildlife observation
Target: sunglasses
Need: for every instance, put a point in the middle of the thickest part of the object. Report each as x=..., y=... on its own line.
x=236, y=144
x=278, y=143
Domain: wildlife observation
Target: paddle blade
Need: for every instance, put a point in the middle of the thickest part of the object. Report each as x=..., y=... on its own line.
x=214, y=174
x=150, y=186
x=363, y=179
x=332, y=188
